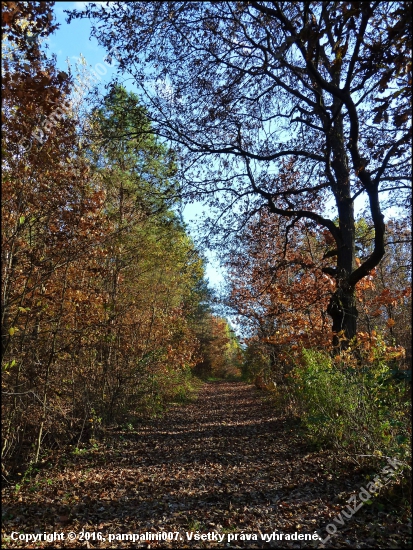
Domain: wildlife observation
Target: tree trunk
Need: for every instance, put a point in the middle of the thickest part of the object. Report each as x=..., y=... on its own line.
x=343, y=311
x=343, y=308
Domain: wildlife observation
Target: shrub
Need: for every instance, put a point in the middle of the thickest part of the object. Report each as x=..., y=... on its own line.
x=359, y=407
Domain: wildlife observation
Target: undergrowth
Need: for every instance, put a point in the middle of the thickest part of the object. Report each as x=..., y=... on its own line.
x=357, y=405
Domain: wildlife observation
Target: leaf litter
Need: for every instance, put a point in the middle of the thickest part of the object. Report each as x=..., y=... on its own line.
x=228, y=462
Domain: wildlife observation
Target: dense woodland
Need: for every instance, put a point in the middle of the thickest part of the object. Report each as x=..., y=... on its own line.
x=105, y=307
x=279, y=117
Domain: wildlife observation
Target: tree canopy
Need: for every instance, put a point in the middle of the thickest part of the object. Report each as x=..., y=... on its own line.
x=295, y=108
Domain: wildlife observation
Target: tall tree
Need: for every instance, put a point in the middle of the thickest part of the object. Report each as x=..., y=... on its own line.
x=99, y=276
x=50, y=223
x=290, y=107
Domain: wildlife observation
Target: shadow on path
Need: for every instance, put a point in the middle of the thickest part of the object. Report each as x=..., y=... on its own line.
x=224, y=464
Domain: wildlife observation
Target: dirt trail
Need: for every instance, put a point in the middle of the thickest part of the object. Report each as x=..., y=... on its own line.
x=223, y=464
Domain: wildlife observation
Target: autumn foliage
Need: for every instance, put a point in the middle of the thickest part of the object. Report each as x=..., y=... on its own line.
x=279, y=292
x=104, y=302
x=99, y=280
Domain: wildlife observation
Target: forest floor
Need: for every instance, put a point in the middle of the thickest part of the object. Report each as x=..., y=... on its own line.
x=225, y=466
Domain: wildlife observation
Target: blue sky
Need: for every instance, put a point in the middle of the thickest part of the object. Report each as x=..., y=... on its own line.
x=70, y=42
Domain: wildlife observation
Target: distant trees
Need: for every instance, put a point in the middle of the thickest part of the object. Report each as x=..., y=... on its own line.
x=277, y=286
x=289, y=108
x=385, y=298
x=279, y=293
x=221, y=355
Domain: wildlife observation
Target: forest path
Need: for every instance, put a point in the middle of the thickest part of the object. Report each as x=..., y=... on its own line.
x=223, y=464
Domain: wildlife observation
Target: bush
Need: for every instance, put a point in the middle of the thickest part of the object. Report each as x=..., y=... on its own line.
x=362, y=409
x=178, y=387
